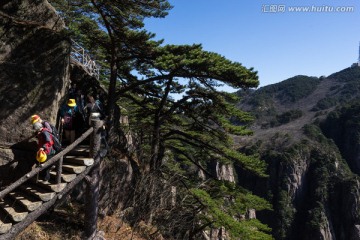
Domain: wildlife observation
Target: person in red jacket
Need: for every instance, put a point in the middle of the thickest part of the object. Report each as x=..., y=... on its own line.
x=45, y=143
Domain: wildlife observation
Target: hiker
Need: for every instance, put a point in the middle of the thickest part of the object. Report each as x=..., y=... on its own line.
x=91, y=66
x=51, y=129
x=81, y=118
x=45, y=146
x=80, y=100
x=72, y=90
x=36, y=118
x=93, y=109
x=69, y=113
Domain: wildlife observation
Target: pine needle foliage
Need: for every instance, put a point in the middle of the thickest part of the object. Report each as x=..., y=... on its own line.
x=179, y=119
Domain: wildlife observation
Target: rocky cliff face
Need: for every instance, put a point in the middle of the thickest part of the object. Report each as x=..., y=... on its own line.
x=225, y=172
x=313, y=193
x=343, y=126
x=34, y=64
x=306, y=130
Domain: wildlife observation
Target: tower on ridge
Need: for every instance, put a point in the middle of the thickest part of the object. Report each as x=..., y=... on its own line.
x=357, y=64
x=359, y=55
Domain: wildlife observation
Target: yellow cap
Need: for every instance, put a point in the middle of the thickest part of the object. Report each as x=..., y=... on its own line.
x=34, y=119
x=71, y=102
x=41, y=156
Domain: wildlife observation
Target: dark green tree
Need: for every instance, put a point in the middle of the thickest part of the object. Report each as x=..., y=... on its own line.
x=179, y=91
x=178, y=115
x=110, y=29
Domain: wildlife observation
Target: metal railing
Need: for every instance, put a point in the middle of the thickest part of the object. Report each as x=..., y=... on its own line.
x=80, y=55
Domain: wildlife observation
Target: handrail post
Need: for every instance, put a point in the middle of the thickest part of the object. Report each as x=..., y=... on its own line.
x=59, y=170
x=83, y=56
x=93, y=182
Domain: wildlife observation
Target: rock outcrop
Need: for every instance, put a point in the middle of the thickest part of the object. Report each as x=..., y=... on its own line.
x=225, y=172
x=34, y=66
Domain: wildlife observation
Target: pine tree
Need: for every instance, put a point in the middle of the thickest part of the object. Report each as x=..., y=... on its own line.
x=179, y=118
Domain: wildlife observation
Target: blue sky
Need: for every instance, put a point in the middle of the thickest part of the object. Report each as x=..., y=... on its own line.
x=267, y=34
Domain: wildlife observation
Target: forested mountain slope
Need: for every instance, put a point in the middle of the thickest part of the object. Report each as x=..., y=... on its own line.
x=307, y=129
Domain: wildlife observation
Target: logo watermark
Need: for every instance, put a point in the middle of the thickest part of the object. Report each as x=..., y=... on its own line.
x=281, y=8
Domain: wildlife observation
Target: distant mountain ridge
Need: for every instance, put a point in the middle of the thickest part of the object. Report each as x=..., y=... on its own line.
x=299, y=100
x=307, y=130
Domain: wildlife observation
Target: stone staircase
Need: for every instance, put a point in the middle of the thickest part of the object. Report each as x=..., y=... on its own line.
x=23, y=205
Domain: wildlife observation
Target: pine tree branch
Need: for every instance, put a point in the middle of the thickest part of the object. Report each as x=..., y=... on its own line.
x=193, y=161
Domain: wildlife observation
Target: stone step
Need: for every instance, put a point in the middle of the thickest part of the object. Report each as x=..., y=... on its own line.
x=4, y=227
x=79, y=160
x=83, y=146
x=28, y=202
x=73, y=169
x=38, y=192
x=66, y=177
x=51, y=185
x=80, y=151
x=11, y=209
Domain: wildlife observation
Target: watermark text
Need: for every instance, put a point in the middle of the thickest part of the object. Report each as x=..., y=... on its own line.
x=281, y=8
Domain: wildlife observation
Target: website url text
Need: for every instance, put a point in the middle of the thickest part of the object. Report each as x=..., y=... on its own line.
x=280, y=8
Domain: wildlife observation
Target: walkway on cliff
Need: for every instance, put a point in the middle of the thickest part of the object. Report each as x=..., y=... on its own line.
x=80, y=55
